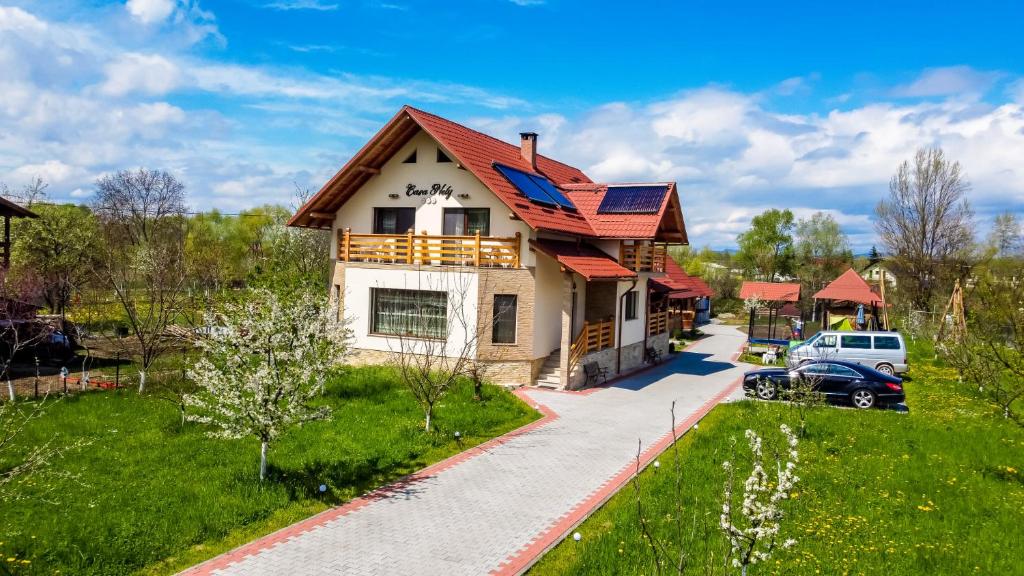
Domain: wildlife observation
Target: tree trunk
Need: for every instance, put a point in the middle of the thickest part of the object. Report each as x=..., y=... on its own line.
x=263, y=460
x=142, y=381
x=10, y=389
x=430, y=411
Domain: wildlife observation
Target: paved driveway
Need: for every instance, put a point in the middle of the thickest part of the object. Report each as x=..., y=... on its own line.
x=495, y=509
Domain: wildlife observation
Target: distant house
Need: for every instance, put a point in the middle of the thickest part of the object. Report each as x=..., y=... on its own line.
x=548, y=270
x=873, y=274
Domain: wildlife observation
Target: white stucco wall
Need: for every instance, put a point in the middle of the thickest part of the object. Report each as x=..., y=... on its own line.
x=547, y=309
x=461, y=285
x=395, y=176
x=632, y=330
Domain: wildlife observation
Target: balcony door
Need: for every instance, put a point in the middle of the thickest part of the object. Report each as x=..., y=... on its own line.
x=393, y=220
x=467, y=221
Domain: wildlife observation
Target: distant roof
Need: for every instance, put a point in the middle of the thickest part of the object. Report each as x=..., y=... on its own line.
x=771, y=291
x=851, y=288
x=678, y=284
x=8, y=208
x=481, y=155
x=584, y=259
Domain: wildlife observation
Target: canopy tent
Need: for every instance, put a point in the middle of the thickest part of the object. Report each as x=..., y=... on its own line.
x=846, y=296
x=777, y=295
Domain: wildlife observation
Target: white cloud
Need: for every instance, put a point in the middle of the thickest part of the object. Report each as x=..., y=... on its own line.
x=949, y=81
x=302, y=5
x=151, y=11
x=144, y=73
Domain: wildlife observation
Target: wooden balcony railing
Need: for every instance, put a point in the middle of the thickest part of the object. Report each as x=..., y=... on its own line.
x=643, y=257
x=657, y=323
x=594, y=336
x=476, y=250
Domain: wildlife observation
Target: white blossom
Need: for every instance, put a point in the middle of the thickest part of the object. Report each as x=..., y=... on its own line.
x=754, y=534
x=263, y=363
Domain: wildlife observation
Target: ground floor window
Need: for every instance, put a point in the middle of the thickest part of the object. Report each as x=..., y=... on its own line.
x=631, y=300
x=504, y=328
x=417, y=313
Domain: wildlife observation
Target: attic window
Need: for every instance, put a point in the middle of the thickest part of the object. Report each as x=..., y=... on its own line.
x=411, y=159
x=442, y=157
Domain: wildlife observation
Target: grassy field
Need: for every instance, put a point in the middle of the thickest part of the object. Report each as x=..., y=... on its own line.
x=938, y=490
x=150, y=496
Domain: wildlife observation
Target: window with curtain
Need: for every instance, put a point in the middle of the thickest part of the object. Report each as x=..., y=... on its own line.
x=417, y=313
x=631, y=300
x=503, y=330
x=467, y=221
x=393, y=220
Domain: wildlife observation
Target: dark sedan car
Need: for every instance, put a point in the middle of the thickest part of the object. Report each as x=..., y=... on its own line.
x=864, y=387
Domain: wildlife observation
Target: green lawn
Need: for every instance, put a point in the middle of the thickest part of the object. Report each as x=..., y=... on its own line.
x=937, y=491
x=153, y=497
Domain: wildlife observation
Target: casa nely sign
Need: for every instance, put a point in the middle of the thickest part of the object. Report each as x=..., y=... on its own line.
x=434, y=190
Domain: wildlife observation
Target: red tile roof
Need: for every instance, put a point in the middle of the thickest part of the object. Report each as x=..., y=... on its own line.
x=584, y=259
x=678, y=284
x=771, y=291
x=588, y=197
x=477, y=153
x=850, y=287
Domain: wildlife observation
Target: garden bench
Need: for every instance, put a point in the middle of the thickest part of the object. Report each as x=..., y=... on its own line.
x=653, y=355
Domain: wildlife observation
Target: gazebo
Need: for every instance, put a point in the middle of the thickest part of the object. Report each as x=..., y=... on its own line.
x=777, y=295
x=844, y=296
x=10, y=210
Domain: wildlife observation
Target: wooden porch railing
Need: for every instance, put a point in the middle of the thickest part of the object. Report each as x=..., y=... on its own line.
x=657, y=323
x=594, y=336
x=427, y=249
x=643, y=257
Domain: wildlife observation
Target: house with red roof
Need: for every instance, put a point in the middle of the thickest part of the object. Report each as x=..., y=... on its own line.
x=445, y=238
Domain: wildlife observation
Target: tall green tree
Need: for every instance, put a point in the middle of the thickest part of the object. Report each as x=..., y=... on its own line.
x=767, y=248
x=822, y=250
x=59, y=248
x=1006, y=235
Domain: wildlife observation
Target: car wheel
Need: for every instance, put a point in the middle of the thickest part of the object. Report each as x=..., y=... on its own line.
x=765, y=390
x=862, y=398
x=886, y=369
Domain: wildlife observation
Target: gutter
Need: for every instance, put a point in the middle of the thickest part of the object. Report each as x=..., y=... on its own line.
x=622, y=314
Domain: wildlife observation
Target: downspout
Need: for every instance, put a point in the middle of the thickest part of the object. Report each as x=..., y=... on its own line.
x=647, y=315
x=622, y=315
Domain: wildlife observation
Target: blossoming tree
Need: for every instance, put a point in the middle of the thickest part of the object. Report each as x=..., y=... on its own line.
x=264, y=362
x=755, y=532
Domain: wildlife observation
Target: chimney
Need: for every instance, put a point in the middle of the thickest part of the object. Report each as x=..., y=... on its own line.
x=528, y=148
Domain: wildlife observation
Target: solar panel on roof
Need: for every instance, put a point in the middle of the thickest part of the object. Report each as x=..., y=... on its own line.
x=535, y=187
x=632, y=200
x=553, y=192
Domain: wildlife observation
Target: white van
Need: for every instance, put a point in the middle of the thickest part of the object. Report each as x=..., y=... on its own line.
x=883, y=351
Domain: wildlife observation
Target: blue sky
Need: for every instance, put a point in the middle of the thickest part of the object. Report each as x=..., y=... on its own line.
x=807, y=105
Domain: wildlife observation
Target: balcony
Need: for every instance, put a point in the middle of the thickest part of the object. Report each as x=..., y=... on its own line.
x=429, y=250
x=643, y=257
